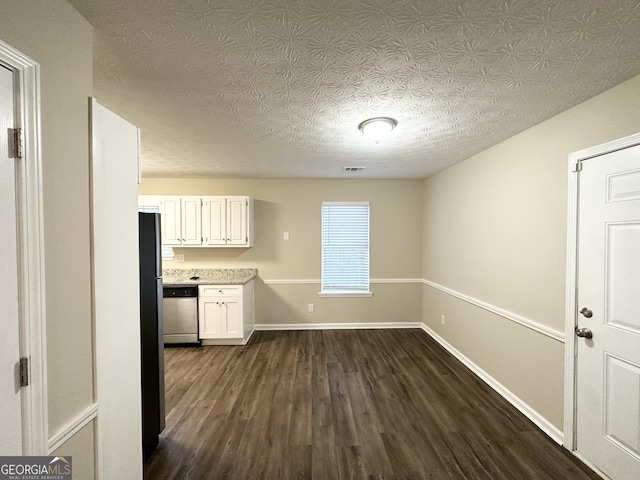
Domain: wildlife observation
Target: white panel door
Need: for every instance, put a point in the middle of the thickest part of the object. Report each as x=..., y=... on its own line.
x=210, y=317
x=10, y=396
x=231, y=317
x=237, y=221
x=214, y=221
x=116, y=291
x=170, y=221
x=191, y=220
x=608, y=364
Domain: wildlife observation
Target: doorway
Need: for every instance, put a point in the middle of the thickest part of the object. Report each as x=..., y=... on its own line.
x=22, y=322
x=10, y=352
x=602, y=406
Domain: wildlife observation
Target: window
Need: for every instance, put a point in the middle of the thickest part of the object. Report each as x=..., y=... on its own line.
x=148, y=208
x=345, y=248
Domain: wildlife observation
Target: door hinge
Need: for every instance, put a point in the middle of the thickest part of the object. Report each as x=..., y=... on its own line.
x=24, y=372
x=578, y=166
x=17, y=142
x=246, y=203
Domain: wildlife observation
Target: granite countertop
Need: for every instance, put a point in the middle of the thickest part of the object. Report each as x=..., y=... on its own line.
x=208, y=276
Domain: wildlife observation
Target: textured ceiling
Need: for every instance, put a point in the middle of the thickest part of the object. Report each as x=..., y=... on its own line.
x=276, y=88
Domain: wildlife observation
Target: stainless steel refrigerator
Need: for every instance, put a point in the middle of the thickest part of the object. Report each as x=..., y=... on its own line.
x=151, y=332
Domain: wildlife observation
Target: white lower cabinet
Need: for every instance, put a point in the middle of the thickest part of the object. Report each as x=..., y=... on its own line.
x=225, y=313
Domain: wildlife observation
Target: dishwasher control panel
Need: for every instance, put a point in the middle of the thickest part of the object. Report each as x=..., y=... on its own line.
x=180, y=291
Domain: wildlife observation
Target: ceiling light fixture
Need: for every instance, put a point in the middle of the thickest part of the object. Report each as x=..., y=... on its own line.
x=377, y=128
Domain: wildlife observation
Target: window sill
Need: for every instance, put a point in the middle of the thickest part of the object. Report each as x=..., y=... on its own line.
x=345, y=294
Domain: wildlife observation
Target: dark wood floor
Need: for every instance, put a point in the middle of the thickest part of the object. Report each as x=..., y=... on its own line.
x=343, y=404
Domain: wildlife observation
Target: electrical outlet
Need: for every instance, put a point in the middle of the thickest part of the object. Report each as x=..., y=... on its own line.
x=180, y=257
x=286, y=235
x=442, y=319
x=310, y=308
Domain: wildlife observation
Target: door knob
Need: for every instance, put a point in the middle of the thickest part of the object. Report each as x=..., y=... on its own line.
x=584, y=333
x=586, y=312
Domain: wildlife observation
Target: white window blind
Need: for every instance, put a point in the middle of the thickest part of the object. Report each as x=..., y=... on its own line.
x=345, y=247
x=148, y=208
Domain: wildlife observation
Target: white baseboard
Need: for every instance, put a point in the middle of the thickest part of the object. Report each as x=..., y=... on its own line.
x=334, y=326
x=547, y=427
x=72, y=427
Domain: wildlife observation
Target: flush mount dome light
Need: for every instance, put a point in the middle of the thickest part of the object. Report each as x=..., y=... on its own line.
x=377, y=128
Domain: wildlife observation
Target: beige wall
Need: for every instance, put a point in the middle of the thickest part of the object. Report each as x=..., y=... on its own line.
x=80, y=447
x=294, y=206
x=60, y=40
x=495, y=229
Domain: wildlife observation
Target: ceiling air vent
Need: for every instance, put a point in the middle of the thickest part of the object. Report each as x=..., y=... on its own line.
x=353, y=169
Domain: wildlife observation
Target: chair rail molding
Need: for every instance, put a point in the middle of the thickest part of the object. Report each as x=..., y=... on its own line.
x=514, y=317
x=77, y=423
x=314, y=281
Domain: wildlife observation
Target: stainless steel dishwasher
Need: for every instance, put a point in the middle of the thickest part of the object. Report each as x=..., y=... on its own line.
x=180, y=314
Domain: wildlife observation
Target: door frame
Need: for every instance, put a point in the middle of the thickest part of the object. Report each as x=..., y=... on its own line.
x=571, y=307
x=30, y=241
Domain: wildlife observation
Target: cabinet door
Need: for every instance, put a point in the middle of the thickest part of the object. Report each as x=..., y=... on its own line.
x=231, y=317
x=220, y=317
x=191, y=221
x=237, y=221
x=170, y=221
x=210, y=317
x=214, y=221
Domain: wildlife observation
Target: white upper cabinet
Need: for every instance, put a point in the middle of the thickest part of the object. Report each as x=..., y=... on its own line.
x=237, y=221
x=171, y=220
x=191, y=210
x=214, y=224
x=227, y=221
x=211, y=221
